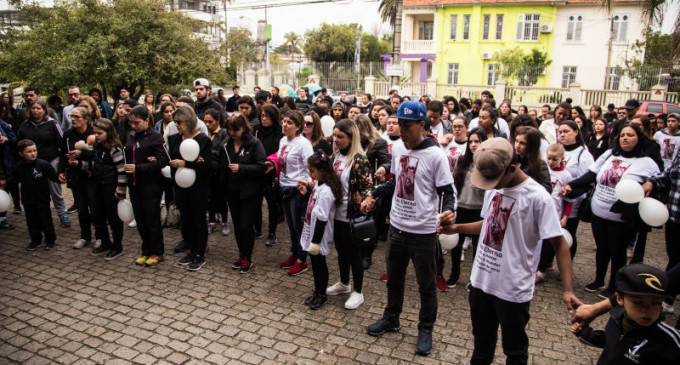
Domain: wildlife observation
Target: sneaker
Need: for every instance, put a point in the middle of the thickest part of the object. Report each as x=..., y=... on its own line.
x=462, y=256
x=81, y=243
x=237, y=264
x=338, y=288
x=451, y=283
x=605, y=294
x=186, y=260
x=310, y=299
x=97, y=244
x=132, y=224
x=197, y=264
x=366, y=262
x=258, y=235
x=141, y=260
x=383, y=277
x=317, y=302
x=113, y=254
x=245, y=266
x=383, y=325
x=72, y=209
x=17, y=210
x=467, y=243
x=32, y=246
x=154, y=260
x=211, y=228
x=290, y=261
x=225, y=229
x=424, y=344
x=297, y=269
x=100, y=250
x=355, y=300
x=467, y=287
x=64, y=222
x=667, y=308
x=271, y=240
x=540, y=277
x=6, y=225
x=441, y=283
x=181, y=247
x=594, y=286
x=49, y=246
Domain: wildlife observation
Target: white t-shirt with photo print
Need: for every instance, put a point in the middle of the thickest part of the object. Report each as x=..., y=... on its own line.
x=320, y=207
x=670, y=145
x=293, y=157
x=516, y=220
x=577, y=162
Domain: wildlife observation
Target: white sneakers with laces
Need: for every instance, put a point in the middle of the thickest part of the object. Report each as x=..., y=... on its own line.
x=338, y=288
x=354, y=301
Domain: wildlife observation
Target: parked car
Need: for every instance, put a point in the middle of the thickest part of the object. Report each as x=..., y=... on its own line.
x=657, y=107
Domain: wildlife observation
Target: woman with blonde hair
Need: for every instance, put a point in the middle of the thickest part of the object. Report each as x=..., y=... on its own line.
x=90, y=104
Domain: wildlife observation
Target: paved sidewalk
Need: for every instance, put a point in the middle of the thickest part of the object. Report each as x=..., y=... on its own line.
x=68, y=307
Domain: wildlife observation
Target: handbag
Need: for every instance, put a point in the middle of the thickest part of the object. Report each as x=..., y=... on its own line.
x=363, y=230
x=585, y=211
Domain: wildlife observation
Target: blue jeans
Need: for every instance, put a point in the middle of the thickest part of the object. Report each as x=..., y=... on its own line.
x=294, y=206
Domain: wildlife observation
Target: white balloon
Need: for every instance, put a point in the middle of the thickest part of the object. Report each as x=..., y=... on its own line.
x=166, y=171
x=568, y=237
x=653, y=212
x=81, y=145
x=185, y=177
x=629, y=191
x=4, y=201
x=189, y=149
x=125, y=212
x=448, y=241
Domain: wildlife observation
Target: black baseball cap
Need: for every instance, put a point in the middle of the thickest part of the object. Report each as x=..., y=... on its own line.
x=631, y=104
x=642, y=280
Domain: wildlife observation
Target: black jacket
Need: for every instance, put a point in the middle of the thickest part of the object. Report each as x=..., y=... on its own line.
x=270, y=137
x=202, y=168
x=378, y=155
x=33, y=177
x=596, y=147
x=209, y=103
x=247, y=181
x=232, y=103
x=655, y=344
x=47, y=136
x=218, y=141
x=139, y=148
x=74, y=175
x=543, y=177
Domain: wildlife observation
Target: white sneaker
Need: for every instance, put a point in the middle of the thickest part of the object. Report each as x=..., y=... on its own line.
x=132, y=224
x=97, y=244
x=81, y=243
x=339, y=288
x=354, y=301
x=667, y=308
x=462, y=256
x=467, y=243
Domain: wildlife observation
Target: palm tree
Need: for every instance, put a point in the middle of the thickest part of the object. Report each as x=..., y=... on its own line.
x=293, y=42
x=391, y=10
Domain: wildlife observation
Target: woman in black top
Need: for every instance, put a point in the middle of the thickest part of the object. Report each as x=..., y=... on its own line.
x=528, y=150
x=242, y=160
x=218, y=202
x=192, y=201
x=598, y=141
x=269, y=133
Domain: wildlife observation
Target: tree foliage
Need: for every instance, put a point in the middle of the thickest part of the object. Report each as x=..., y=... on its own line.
x=524, y=68
x=658, y=52
x=110, y=44
x=335, y=43
x=240, y=47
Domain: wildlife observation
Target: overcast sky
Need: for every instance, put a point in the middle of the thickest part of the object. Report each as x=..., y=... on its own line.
x=300, y=18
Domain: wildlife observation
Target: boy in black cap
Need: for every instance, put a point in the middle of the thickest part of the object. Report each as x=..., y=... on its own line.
x=636, y=333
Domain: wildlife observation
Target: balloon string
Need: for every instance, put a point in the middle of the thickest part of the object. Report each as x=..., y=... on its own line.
x=441, y=203
x=227, y=153
x=165, y=148
x=124, y=157
x=68, y=148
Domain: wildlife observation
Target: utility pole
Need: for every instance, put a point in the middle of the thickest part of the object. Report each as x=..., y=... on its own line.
x=396, y=42
x=609, y=53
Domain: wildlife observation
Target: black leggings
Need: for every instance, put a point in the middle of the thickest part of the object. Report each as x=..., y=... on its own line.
x=243, y=213
x=146, y=203
x=320, y=271
x=217, y=204
x=349, y=255
x=193, y=206
x=273, y=198
x=105, y=210
x=463, y=215
x=611, y=239
x=547, y=251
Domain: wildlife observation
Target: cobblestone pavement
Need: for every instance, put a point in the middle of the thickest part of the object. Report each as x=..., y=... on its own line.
x=68, y=307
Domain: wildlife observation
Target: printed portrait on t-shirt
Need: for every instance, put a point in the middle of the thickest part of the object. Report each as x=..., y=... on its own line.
x=667, y=150
x=283, y=157
x=339, y=167
x=453, y=155
x=310, y=207
x=389, y=148
x=406, y=178
x=497, y=221
x=613, y=175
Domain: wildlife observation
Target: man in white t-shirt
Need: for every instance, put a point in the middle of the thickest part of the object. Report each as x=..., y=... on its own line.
x=669, y=139
x=422, y=182
x=518, y=214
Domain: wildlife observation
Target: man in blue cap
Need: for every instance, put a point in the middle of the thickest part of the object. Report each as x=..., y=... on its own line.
x=422, y=182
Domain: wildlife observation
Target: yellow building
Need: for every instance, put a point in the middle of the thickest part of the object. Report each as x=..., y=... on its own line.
x=454, y=41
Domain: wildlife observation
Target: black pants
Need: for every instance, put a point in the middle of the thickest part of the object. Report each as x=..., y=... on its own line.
x=105, y=209
x=84, y=198
x=273, y=198
x=487, y=312
x=146, y=204
x=463, y=215
x=640, y=245
x=243, y=213
x=672, y=244
x=320, y=271
x=193, y=206
x=611, y=239
x=349, y=255
x=218, y=203
x=547, y=251
x=39, y=221
x=403, y=247
x=168, y=192
x=16, y=196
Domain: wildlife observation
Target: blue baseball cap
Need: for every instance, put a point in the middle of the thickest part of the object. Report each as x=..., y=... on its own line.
x=412, y=110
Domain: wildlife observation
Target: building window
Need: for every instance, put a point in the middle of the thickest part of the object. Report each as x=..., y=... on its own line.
x=492, y=74
x=485, y=27
x=614, y=78
x=454, y=26
x=499, y=27
x=528, y=27
x=620, y=28
x=574, y=27
x=454, y=69
x=466, y=27
x=425, y=30
x=568, y=75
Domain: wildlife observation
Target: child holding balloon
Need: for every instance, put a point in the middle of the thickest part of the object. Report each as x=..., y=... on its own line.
x=107, y=168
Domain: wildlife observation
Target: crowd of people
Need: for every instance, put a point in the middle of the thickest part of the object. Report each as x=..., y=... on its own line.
x=353, y=173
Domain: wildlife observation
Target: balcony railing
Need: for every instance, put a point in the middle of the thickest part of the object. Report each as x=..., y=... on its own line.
x=419, y=46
